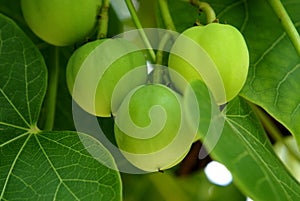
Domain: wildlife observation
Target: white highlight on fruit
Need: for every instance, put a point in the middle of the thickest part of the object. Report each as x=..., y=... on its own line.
x=218, y=174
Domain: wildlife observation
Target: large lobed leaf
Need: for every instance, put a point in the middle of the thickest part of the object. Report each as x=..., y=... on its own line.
x=273, y=81
x=56, y=166
x=36, y=165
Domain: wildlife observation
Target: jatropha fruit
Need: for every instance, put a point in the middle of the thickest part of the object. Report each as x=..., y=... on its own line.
x=212, y=49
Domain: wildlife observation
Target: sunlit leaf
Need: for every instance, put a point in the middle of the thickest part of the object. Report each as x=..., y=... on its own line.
x=36, y=165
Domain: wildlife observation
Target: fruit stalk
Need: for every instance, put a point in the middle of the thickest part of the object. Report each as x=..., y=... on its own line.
x=138, y=25
x=164, y=8
x=103, y=20
x=206, y=8
x=160, y=75
x=286, y=23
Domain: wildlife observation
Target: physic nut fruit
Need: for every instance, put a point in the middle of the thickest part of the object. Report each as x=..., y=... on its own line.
x=215, y=45
x=151, y=129
x=100, y=74
x=61, y=22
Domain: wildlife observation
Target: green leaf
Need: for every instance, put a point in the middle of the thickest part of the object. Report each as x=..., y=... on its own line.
x=273, y=80
x=57, y=166
x=23, y=78
x=38, y=165
x=246, y=151
x=244, y=148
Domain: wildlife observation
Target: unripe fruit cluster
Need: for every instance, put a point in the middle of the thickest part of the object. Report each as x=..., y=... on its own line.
x=150, y=118
x=108, y=77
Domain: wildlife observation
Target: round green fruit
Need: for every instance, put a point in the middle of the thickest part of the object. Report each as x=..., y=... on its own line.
x=100, y=74
x=215, y=53
x=151, y=128
x=61, y=22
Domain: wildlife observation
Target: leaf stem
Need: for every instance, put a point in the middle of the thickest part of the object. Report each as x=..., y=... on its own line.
x=50, y=102
x=138, y=25
x=272, y=129
x=286, y=23
x=206, y=8
x=103, y=20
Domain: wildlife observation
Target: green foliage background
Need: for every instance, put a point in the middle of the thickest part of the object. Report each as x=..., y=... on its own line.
x=53, y=165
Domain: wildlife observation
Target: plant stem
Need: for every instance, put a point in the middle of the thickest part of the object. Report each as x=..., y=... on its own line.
x=159, y=74
x=50, y=102
x=103, y=20
x=286, y=23
x=168, y=21
x=206, y=8
x=163, y=42
x=164, y=8
x=272, y=129
x=138, y=25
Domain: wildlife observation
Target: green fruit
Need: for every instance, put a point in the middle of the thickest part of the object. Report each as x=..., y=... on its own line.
x=151, y=129
x=61, y=22
x=219, y=51
x=101, y=73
